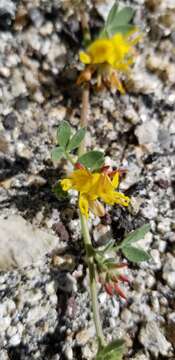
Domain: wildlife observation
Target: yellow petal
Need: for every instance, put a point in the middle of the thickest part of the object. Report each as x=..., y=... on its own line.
x=97, y=208
x=102, y=51
x=116, y=83
x=84, y=205
x=66, y=184
x=84, y=58
x=115, y=180
x=121, y=199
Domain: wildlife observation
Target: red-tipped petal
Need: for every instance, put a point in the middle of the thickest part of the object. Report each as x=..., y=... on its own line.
x=109, y=289
x=123, y=278
x=119, y=291
x=121, y=172
x=105, y=169
x=121, y=265
x=115, y=278
x=79, y=166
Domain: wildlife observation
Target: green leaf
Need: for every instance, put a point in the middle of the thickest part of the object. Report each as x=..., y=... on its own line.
x=118, y=21
x=113, y=351
x=112, y=14
x=63, y=134
x=92, y=159
x=135, y=235
x=105, y=249
x=76, y=139
x=124, y=29
x=57, y=153
x=124, y=16
x=135, y=254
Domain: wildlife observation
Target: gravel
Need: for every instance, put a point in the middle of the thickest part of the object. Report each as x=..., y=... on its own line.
x=44, y=306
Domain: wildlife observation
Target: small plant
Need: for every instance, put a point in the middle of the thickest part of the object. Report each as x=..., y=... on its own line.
x=96, y=184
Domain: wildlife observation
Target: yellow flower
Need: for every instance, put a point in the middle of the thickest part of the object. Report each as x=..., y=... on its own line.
x=92, y=187
x=109, y=55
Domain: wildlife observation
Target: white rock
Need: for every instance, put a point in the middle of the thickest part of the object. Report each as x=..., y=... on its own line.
x=37, y=314
x=3, y=310
x=28, y=296
x=115, y=308
x=103, y=7
x=85, y=335
x=169, y=271
x=68, y=353
x=132, y=177
x=11, y=306
x=146, y=241
x=153, y=340
x=15, y=340
x=164, y=226
x=21, y=244
x=5, y=323
x=147, y=132
x=11, y=331
x=156, y=262
x=50, y=288
x=142, y=82
x=139, y=356
x=18, y=85
x=4, y=355
x=149, y=210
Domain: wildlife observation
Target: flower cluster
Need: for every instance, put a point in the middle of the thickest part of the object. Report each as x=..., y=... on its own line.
x=93, y=186
x=107, y=56
x=110, y=281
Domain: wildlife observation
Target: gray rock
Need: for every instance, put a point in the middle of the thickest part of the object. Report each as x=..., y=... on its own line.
x=22, y=244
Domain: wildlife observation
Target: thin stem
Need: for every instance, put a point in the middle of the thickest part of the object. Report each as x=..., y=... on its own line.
x=70, y=158
x=92, y=278
x=85, y=232
x=84, y=116
x=85, y=106
x=85, y=26
x=84, y=224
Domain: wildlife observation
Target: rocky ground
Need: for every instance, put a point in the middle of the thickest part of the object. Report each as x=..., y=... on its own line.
x=44, y=301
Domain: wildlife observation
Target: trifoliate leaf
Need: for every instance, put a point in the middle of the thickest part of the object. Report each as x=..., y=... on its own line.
x=135, y=254
x=92, y=159
x=63, y=134
x=135, y=235
x=123, y=17
x=112, y=14
x=124, y=29
x=57, y=153
x=105, y=249
x=76, y=140
x=113, y=351
x=118, y=21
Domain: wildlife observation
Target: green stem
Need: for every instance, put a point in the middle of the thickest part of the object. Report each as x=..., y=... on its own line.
x=85, y=26
x=70, y=158
x=85, y=232
x=92, y=278
x=84, y=223
x=84, y=116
